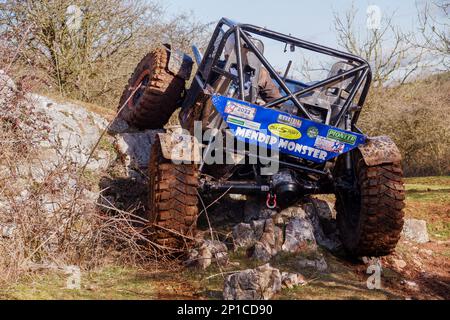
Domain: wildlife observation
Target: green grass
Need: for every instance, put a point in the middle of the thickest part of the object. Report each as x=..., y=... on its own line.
x=428, y=198
x=429, y=181
x=108, y=284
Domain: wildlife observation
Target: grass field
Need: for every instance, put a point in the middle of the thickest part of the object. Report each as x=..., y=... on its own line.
x=427, y=198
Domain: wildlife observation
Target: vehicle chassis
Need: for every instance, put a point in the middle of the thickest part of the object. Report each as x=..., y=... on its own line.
x=347, y=118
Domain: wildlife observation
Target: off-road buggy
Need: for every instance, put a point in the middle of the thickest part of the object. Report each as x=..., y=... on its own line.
x=309, y=134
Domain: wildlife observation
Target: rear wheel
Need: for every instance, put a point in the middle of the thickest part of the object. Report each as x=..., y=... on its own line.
x=156, y=92
x=173, y=201
x=370, y=215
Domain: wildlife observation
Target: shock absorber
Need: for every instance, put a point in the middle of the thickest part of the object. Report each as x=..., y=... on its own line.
x=348, y=127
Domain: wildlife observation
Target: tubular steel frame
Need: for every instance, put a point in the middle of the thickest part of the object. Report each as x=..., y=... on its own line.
x=243, y=33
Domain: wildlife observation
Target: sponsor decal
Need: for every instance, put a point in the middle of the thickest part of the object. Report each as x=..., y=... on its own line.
x=285, y=119
x=280, y=143
x=240, y=110
x=341, y=136
x=312, y=132
x=329, y=145
x=243, y=123
x=284, y=131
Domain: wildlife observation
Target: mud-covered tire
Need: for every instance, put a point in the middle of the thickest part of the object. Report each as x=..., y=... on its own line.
x=370, y=220
x=173, y=202
x=155, y=101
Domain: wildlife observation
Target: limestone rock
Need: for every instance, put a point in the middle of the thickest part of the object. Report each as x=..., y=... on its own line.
x=299, y=235
x=416, y=230
x=134, y=148
x=254, y=284
x=269, y=243
x=291, y=280
x=319, y=263
x=323, y=218
x=207, y=253
x=247, y=234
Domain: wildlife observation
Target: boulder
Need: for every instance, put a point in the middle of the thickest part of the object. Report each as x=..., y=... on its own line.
x=207, y=253
x=299, y=235
x=134, y=148
x=323, y=218
x=255, y=209
x=269, y=243
x=254, y=284
x=295, y=211
x=247, y=234
x=416, y=230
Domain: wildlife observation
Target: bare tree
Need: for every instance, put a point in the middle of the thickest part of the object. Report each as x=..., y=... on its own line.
x=386, y=48
x=434, y=29
x=88, y=48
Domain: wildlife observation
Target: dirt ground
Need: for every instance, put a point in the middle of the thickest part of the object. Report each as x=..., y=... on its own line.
x=425, y=273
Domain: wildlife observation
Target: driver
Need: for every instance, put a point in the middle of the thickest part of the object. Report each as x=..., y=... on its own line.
x=267, y=89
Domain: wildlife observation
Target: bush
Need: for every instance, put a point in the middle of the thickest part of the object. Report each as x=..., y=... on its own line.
x=417, y=116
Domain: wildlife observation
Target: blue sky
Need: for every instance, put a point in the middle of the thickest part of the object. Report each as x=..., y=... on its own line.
x=310, y=20
x=307, y=19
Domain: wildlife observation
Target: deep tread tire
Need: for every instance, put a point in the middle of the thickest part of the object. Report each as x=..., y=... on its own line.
x=173, y=201
x=153, y=104
x=370, y=223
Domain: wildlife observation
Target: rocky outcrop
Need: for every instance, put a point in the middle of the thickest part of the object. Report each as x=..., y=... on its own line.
x=73, y=133
x=247, y=234
x=56, y=140
x=133, y=147
x=299, y=228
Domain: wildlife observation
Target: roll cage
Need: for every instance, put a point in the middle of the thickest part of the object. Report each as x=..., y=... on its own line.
x=208, y=65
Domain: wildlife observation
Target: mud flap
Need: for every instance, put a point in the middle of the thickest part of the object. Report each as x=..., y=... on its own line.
x=180, y=64
x=180, y=148
x=380, y=150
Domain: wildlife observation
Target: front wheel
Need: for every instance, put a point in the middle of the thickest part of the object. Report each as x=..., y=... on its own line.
x=153, y=91
x=370, y=214
x=173, y=201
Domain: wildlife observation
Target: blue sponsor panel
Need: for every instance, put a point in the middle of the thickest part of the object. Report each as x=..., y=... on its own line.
x=289, y=134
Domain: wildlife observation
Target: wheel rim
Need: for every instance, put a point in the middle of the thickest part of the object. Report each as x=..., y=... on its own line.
x=142, y=82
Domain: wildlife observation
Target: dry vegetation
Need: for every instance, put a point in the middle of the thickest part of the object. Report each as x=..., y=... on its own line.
x=86, y=49
x=83, y=50
x=416, y=115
